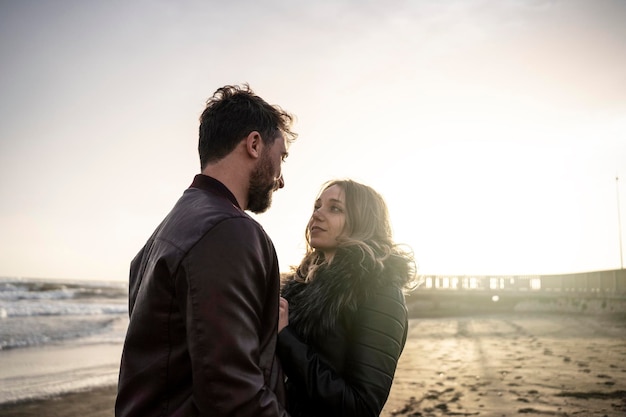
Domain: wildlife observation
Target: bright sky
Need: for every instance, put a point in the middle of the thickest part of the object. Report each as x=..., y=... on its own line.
x=495, y=129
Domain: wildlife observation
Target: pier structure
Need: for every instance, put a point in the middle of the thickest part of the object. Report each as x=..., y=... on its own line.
x=504, y=292
x=594, y=282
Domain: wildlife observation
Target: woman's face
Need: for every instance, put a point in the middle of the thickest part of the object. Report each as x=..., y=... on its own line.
x=327, y=221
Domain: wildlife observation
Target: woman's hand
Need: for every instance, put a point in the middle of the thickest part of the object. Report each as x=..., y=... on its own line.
x=283, y=314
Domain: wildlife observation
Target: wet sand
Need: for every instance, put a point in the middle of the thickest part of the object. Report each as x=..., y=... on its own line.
x=510, y=364
x=97, y=402
x=50, y=370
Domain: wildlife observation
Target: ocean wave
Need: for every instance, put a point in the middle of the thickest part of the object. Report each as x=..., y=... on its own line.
x=20, y=298
x=27, y=308
x=20, y=289
x=36, y=312
x=23, y=332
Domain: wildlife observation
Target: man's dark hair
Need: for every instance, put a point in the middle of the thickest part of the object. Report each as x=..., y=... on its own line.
x=231, y=114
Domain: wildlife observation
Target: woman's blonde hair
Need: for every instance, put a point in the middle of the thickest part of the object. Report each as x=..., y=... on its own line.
x=367, y=228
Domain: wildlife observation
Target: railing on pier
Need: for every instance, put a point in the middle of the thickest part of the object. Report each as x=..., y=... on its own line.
x=609, y=282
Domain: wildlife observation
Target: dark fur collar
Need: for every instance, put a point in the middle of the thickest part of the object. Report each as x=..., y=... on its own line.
x=316, y=307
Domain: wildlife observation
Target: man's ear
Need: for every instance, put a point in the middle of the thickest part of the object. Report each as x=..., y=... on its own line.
x=254, y=144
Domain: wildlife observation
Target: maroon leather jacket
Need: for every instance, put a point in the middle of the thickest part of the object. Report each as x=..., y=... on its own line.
x=203, y=308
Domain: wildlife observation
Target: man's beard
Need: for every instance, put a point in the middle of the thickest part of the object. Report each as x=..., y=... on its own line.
x=262, y=186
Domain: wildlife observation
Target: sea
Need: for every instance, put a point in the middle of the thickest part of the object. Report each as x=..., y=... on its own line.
x=59, y=335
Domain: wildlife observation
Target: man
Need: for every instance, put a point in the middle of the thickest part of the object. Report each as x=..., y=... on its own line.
x=204, y=290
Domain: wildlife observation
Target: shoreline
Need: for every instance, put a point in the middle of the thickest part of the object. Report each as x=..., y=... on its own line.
x=40, y=372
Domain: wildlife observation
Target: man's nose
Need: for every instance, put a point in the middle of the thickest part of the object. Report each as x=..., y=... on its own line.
x=281, y=181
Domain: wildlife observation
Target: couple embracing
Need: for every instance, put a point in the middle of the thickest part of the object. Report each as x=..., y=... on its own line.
x=214, y=332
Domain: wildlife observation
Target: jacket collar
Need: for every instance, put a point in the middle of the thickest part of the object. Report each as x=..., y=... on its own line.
x=210, y=184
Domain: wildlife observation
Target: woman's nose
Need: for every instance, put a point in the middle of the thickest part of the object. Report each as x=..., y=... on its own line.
x=317, y=214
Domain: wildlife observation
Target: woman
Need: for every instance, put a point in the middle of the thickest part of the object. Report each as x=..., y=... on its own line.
x=347, y=319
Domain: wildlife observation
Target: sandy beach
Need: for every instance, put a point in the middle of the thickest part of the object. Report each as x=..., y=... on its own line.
x=508, y=364
x=513, y=364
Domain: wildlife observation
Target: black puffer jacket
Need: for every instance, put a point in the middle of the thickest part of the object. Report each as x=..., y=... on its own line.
x=347, y=328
